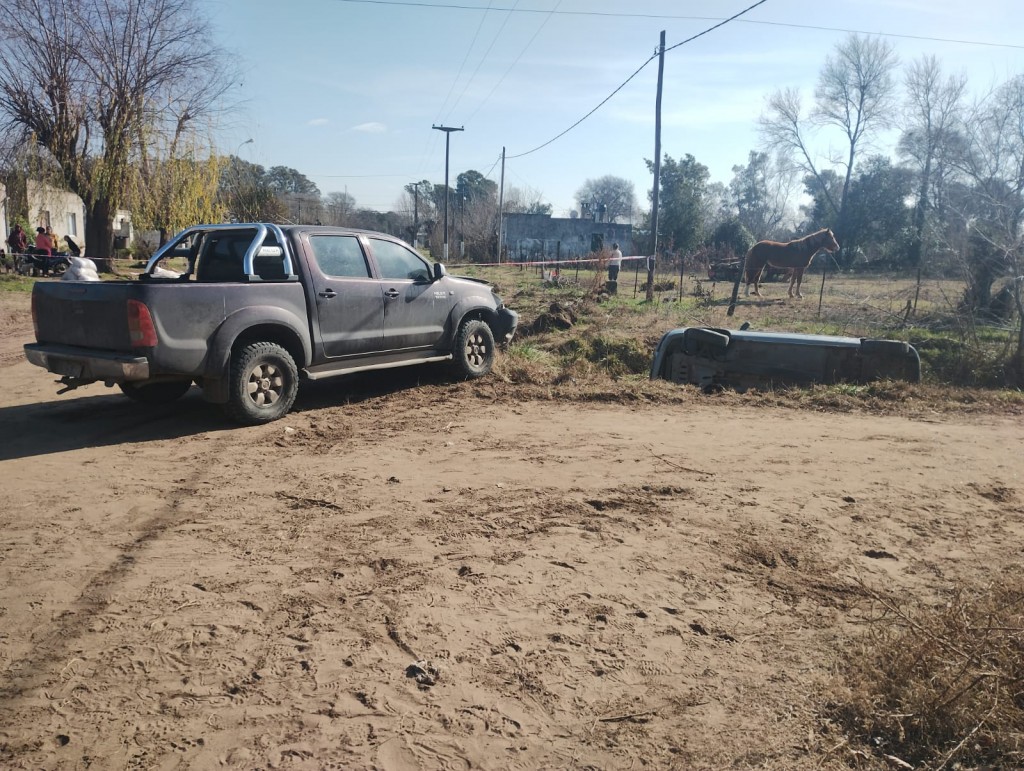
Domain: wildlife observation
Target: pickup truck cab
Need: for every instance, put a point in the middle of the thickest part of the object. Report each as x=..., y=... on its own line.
x=261, y=307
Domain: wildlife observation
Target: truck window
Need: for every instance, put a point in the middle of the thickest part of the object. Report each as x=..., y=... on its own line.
x=395, y=261
x=221, y=258
x=339, y=256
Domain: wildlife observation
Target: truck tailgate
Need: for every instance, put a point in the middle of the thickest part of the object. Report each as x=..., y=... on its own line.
x=90, y=314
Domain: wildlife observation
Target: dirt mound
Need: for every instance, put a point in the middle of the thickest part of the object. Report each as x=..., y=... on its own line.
x=556, y=317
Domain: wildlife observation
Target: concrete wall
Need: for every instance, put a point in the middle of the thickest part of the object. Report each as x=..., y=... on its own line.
x=64, y=211
x=540, y=236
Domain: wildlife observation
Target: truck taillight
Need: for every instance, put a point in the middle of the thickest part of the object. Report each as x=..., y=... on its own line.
x=140, y=325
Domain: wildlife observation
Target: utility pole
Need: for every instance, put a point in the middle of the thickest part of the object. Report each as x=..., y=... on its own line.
x=416, y=212
x=447, y=193
x=657, y=172
x=501, y=206
x=462, y=231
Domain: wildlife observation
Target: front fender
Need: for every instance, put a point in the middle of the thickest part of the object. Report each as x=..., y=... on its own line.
x=475, y=307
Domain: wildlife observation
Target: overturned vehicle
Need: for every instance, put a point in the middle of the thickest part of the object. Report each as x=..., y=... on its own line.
x=741, y=359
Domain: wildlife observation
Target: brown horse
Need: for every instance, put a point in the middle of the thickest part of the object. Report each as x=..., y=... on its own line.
x=795, y=255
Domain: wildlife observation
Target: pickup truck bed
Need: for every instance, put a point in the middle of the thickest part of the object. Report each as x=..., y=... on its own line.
x=285, y=303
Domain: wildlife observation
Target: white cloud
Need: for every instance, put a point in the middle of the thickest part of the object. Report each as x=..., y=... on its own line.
x=318, y=122
x=371, y=128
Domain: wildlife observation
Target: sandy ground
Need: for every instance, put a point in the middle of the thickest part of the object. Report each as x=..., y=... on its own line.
x=440, y=576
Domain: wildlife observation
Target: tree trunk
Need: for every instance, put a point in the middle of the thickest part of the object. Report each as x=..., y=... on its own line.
x=99, y=231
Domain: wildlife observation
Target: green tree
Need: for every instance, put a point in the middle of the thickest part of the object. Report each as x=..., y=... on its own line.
x=681, y=198
x=761, y=191
x=879, y=220
x=733, y=235
x=474, y=186
x=284, y=180
x=246, y=195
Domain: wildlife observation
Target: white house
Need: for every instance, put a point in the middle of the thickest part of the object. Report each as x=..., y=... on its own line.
x=64, y=212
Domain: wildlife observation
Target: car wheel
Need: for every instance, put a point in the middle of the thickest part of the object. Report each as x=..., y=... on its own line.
x=473, y=352
x=263, y=384
x=155, y=393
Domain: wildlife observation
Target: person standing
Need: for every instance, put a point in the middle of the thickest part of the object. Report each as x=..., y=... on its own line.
x=43, y=243
x=614, y=263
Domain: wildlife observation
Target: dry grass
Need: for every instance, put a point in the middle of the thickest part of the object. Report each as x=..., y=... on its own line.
x=941, y=686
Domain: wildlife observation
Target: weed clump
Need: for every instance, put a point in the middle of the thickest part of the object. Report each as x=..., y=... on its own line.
x=940, y=687
x=614, y=357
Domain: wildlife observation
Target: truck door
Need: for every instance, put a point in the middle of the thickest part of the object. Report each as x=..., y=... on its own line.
x=349, y=303
x=416, y=308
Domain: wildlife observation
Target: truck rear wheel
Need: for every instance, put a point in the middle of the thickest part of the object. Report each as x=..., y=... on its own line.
x=473, y=350
x=263, y=384
x=155, y=393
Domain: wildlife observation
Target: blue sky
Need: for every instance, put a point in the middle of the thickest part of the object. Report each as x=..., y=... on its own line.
x=346, y=92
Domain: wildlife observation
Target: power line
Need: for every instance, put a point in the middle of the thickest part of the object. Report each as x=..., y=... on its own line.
x=514, y=63
x=598, y=107
x=716, y=26
x=677, y=17
x=482, y=60
x=637, y=72
x=465, y=59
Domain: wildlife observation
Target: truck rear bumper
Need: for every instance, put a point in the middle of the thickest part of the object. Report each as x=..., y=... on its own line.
x=86, y=363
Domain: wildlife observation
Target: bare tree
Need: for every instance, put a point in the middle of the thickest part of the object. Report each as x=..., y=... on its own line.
x=931, y=115
x=525, y=200
x=854, y=95
x=92, y=81
x=993, y=162
x=608, y=198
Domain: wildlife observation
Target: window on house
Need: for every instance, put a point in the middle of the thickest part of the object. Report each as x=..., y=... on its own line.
x=72, y=225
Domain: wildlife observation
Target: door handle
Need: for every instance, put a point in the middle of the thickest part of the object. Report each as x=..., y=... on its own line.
x=392, y=293
x=328, y=293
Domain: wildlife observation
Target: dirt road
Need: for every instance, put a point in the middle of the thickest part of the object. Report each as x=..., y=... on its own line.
x=437, y=575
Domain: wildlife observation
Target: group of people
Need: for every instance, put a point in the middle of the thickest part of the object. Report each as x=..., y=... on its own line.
x=45, y=243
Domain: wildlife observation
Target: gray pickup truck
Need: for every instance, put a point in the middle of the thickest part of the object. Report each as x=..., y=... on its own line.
x=260, y=307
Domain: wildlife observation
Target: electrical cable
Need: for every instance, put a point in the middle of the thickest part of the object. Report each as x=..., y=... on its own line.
x=720, y=24
x=674, y=17
x=598, y=107
x=482, y=60
x=637, y=72
x=458, y=75
x=514, y=63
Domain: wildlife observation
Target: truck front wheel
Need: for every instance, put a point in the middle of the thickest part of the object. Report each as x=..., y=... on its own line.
x=473, y=350
x=263, y=384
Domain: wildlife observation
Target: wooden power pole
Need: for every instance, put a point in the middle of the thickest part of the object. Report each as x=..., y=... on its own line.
x=657, y=172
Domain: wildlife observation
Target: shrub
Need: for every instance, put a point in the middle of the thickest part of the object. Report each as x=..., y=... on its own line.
x=943, y=684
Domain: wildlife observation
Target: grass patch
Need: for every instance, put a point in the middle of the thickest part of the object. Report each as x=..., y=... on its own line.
x=939, y=686
x=12, y=282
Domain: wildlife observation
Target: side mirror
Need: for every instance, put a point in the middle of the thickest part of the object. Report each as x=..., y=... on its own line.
x=439, y=271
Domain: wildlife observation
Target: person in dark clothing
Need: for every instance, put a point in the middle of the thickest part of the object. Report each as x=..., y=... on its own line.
x=17, y=240
x=73, y=248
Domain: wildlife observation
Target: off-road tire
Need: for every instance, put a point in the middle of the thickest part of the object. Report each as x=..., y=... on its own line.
x=262, y=384
x=473, y=350
x=155, y=393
